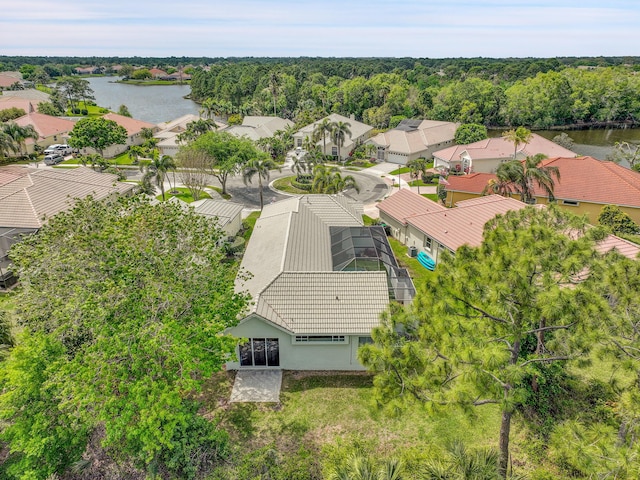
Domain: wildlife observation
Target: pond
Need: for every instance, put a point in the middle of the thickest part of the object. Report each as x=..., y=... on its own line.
x=152, y=103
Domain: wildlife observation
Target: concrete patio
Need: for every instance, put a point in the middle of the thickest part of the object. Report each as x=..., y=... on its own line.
x=257, y=386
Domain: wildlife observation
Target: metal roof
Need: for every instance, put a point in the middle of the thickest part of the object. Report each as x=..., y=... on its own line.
x=225, y=212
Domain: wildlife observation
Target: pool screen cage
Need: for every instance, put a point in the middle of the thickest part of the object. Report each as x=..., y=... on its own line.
x=357, y=249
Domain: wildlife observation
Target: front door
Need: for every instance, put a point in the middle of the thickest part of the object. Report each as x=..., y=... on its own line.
x=260, y=352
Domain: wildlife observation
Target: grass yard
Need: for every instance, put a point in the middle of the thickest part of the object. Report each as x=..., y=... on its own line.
x=248, y=224
x=400, y=171
x=121, y=159
x=417, y=272
x=184, y=195
x=226, y=196
x=93, y=110
x=284, y=185
x=431, y=196
x=320, y=410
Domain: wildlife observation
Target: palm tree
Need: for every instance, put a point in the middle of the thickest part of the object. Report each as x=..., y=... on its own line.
x=7, y=145
x=321, y=130
x=526, y=174
x=135, y=152
x=157, y=169
x=210, y=108
x=418, y=168
x=339, y=183
x=518, y=136
x=259, y=166
x=360, y=466
x=339, y=131
x=274, y=88
x=17, y=135
x=299, y=166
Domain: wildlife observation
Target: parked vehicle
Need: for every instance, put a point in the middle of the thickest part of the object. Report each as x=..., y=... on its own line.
x=62, y=149
x=53, y=159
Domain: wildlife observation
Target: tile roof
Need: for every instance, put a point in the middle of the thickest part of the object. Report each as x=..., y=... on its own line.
x=581, y=179
x=16, y=102
x=29, y=196
x=415, y=140
x=500, y=147
x=358, y=129
x=225, y=212
x=317, y=303
x=132, y=125
x=28, y=93
x=256, y=127
x=464, y=224
x=45, y=125
x=622, y=246
x=405, y=204
x=292, y=279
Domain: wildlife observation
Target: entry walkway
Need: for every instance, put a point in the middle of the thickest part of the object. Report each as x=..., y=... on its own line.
x=257, y=386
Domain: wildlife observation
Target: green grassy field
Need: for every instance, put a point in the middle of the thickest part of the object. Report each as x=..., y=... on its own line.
x=184, y=195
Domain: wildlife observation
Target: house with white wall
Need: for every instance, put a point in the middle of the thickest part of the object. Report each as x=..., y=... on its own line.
x=360, y=132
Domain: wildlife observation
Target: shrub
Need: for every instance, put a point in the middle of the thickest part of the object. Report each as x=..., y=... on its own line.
x=301, y=185
x=85, y=111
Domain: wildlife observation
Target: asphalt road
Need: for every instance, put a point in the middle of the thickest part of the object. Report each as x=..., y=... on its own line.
x=372, y=188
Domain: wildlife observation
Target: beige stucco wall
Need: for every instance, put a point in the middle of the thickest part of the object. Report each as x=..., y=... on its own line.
x=299, y=356
x=591, y=210
x=233, y=227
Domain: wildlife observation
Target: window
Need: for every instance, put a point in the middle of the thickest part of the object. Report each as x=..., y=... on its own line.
x=260, y=352
x=427, y=243
x=298, y=142
x=320, y=339
x=334, y=151
x=364, y=341
x=571, y=203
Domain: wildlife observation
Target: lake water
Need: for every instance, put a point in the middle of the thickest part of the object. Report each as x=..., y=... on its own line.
x=152, y=103
x=161, y=103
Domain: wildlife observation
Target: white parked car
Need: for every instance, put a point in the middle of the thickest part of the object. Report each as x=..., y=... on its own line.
x=62, y=149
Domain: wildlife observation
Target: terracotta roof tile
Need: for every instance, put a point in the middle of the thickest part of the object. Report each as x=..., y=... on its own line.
x=581, y=179
x=132, y=125
x=405, y=204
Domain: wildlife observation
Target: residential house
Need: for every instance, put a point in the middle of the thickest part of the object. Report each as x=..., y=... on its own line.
x=228, y=215
x=36, y=96
x=91, y=70
x=134, y=134
x=7, y=79
x=360, y=132
x=30, y=196
x=413, y=139
x=28, y=106
x=50, y=129
x=421, y=223
x=319, y=280
x=168, y=132
x=257, y=127
x=433, y=230
x=486, y=155
x=585, y=186
x=157, y=73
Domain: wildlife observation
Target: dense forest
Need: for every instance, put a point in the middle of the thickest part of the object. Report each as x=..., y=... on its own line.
x=538, y=93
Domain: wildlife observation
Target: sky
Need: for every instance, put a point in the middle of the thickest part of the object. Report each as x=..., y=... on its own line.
x=323, y=28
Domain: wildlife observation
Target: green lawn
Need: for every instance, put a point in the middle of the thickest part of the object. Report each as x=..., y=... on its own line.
x=417, y=272
x=284, y=184
x=420, y=183
x=400, y=171
x=121, y=159
x=248, y=224
x=184, y=195
x=226, y=196
x=93, y=110
x=320, y=410
x=431, y=196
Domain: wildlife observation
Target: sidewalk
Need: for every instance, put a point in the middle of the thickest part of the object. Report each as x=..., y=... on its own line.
x=382, y=170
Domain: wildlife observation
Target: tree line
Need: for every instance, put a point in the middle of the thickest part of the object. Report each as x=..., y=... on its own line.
x=539, y=95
